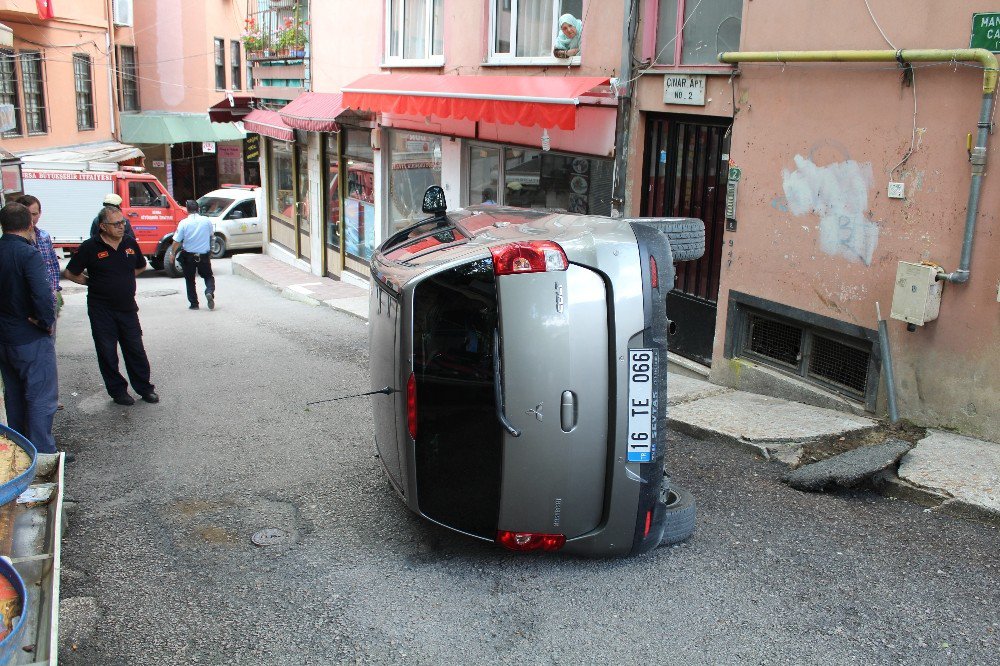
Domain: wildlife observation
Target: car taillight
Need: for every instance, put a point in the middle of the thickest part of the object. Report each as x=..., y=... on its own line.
x=524, y=541
x=654, y=275
x=411, y=405
x=528, y=257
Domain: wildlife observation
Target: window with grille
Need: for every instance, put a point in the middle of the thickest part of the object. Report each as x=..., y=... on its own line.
x=8, y=93
x=33, y=89
x=839, y=357
x=83, y=80
x=220, y=63
x=234, y=63
x=129, y=80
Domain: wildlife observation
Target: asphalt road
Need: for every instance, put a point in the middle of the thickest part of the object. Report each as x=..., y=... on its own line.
x=159, y=567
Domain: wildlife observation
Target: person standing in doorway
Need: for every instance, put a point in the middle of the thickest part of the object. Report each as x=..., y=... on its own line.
x=112, y=261
x=27, y=318
x=194, y=235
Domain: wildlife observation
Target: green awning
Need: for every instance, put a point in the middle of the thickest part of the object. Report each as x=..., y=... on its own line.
x=149, y=128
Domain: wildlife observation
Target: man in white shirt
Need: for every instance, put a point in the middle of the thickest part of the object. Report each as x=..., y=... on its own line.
x=194, y=235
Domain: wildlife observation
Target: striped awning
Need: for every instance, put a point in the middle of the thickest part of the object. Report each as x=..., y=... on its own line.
x=268, y=123
x=314, y=112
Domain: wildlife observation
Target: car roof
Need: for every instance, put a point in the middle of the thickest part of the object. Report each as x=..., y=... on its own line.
x=235, y=193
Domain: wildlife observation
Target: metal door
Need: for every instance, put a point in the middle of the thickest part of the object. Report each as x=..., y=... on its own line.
x=685, y=171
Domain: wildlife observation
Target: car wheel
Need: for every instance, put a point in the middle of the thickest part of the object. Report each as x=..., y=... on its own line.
x=679, y=515
x=172, y=264
x=687, y=236
x=218, y=247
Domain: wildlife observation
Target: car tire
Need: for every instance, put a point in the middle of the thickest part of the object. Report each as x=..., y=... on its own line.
x=172, y=264
x=679, y=515
x=218, y=247
x=686, y=235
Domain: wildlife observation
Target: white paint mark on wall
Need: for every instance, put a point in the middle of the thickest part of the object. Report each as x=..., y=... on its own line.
x=838, y=194
x=169, y=68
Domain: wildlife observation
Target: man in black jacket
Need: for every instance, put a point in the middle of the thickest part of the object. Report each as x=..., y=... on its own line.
x=27, y=316
x=112, y=261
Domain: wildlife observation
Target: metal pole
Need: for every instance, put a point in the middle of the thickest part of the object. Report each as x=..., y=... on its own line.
x=890, y=382
x=624, y=91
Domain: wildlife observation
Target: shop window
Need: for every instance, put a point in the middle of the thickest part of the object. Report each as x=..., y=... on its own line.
x=414, y=32
x=526, y=31
x=235, y=62
x=689, y=32
x=484, y=174
x=550, y=181
x=220, y=63
x=83, y=81
x=282, y=184
x=8, y=93
x=359, y=202
x=414, y=165
x=129, y=79
x=332, y=189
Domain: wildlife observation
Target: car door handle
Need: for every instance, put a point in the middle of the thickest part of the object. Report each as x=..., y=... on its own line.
x=568, y=411
x=498, y=388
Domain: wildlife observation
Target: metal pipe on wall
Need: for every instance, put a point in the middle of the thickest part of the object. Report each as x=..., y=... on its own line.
x=978, y=154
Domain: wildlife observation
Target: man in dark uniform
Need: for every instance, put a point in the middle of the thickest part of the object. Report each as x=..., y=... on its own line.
x=112, y=261
x=27, y=316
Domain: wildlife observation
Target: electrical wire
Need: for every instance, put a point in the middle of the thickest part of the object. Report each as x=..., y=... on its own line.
x=875, y=21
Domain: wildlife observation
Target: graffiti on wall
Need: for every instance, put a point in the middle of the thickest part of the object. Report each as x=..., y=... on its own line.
x=838, y=194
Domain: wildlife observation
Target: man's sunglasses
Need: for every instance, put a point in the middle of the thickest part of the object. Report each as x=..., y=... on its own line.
x=116, y=224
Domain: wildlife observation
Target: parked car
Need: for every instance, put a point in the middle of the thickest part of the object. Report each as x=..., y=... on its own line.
x=518, y=359
x=235, y=211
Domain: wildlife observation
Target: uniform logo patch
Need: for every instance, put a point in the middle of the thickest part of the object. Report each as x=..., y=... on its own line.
x=129, y=250
x=102, y=255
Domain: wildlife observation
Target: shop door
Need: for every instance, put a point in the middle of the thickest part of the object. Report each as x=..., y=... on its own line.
x=685, y=170
x=333, y=261
x=302, y=203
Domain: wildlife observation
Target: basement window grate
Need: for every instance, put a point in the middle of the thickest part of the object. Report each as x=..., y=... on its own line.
x=775, y=340
x=839, y=363
x=827, y=356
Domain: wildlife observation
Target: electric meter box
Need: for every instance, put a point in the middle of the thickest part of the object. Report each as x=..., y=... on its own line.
x=917, y=296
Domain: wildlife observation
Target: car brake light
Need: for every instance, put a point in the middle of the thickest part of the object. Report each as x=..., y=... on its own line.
x=411, y=405
x=525, y=541
x=528, y=257
x=654, y=275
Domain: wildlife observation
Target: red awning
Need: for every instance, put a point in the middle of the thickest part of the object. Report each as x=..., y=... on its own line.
x=268, y=123
x=314, y=112
x=230, y=109
x=546, y=101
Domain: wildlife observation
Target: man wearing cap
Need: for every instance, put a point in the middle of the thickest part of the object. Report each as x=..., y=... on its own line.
x=194, y=234
x=112, y=261
x=111, y=200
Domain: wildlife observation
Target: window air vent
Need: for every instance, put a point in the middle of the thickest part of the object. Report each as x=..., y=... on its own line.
x=839, y=363
x=776, y=340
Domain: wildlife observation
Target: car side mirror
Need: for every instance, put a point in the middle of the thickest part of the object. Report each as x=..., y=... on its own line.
x=434, y=201
x=161, y=201
x=235, y=215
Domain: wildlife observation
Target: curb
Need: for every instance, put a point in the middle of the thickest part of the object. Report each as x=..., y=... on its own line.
x=292, y=294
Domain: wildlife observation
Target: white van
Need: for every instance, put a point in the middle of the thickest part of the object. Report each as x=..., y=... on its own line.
x=235, y=211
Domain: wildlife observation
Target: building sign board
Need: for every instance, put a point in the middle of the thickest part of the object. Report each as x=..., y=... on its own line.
x=684, y=89
x=251, y=148
x=208, y=147
x=986, y=32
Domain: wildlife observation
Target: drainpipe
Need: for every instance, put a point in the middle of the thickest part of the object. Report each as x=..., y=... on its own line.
x=624, y=88
x=978, y=153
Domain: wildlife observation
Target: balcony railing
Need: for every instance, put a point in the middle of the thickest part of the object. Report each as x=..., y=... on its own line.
x=277, y=30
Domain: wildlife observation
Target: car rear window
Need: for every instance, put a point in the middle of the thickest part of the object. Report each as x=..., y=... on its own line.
x=458, y=448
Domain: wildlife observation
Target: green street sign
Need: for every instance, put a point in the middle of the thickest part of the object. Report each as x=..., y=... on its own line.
x=735, y=174
x=986, y=32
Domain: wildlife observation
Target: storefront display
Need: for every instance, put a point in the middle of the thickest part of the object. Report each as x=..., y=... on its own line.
x=281, y=194
x=359, y=201
x=414, y=165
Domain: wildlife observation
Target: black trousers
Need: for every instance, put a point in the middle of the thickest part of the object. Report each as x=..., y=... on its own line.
x=202, y=264
x=114, y=328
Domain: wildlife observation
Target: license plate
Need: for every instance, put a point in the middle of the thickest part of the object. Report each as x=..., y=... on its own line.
x=641, y=405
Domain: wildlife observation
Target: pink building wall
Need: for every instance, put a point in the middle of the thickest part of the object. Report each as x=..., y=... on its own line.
x=83, y=25
x=174, y=51
x=816, y=144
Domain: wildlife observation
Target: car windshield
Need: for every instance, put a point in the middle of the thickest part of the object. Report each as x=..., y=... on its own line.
x=213, y=206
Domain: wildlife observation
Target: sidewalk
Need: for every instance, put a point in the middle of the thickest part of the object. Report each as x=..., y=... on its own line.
x=943, y=470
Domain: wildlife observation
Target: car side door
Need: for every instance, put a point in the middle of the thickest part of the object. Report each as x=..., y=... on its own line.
x=147, y=209
x=243, y=224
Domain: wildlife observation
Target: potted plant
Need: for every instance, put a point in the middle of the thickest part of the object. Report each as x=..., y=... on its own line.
x=293, y=38
x=253, y=40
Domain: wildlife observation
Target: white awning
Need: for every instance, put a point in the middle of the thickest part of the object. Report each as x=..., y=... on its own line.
x=104, y=156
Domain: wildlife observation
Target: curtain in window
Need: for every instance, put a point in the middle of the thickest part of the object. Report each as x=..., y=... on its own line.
x=415, y=29
x=535, y=28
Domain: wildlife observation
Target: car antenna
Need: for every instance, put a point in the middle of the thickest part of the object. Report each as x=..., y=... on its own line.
x=383, y=391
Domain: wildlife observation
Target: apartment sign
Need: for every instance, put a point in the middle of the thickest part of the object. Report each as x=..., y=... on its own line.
x=684, y=89
x=986, y=32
